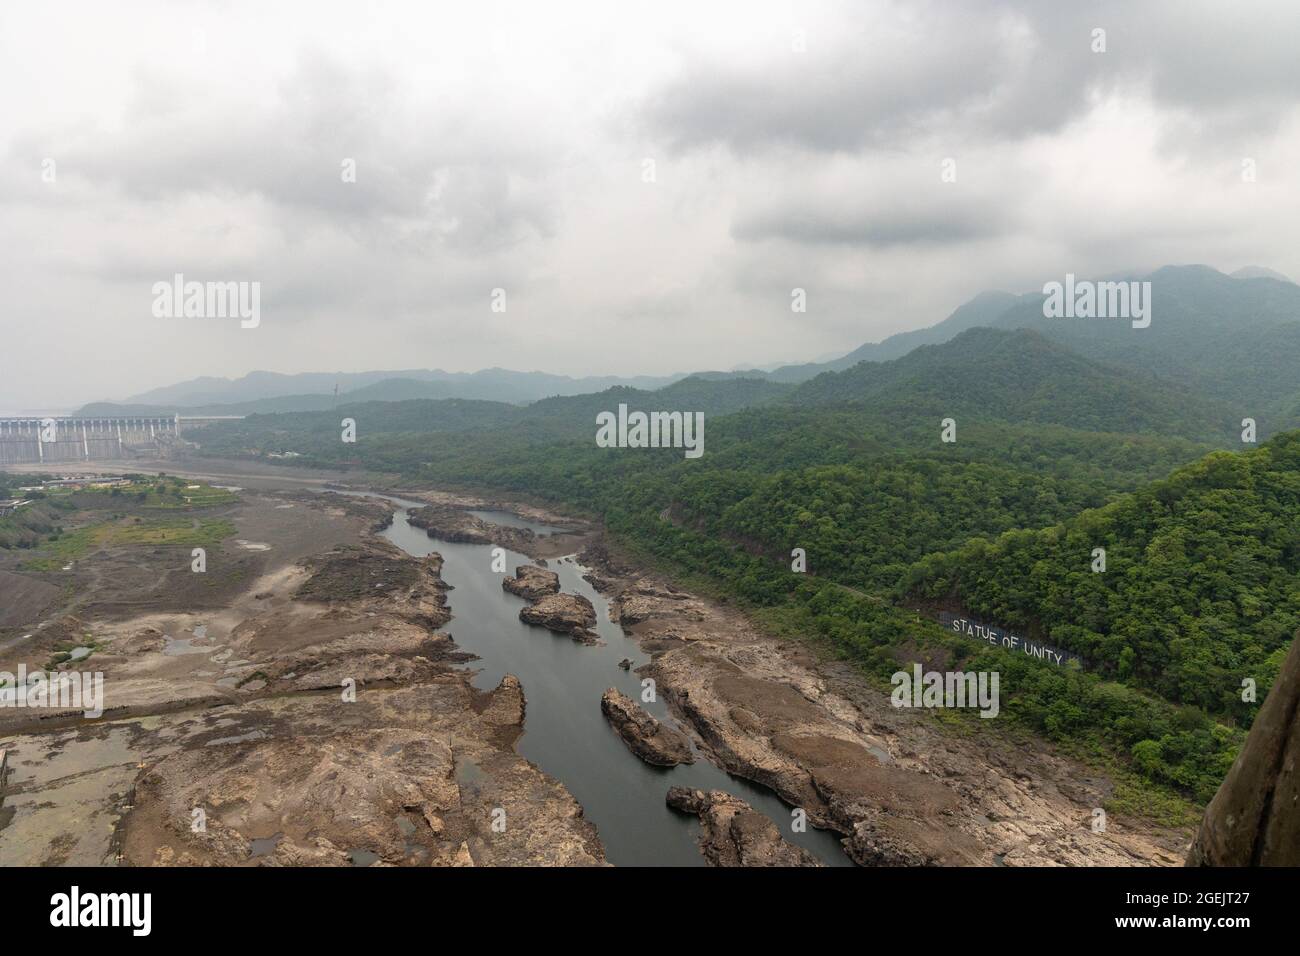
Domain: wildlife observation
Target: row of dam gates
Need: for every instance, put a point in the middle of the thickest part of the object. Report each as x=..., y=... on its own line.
x=35, y=441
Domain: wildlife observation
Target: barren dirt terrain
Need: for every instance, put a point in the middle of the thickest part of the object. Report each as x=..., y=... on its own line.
x=294, y=704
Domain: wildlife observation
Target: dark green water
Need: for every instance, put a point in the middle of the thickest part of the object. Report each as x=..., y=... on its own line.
x=566, y=734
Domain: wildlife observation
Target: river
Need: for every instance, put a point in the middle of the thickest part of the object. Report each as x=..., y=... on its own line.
x=566, y=735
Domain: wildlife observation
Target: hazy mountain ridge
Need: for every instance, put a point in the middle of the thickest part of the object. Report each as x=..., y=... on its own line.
x=981, y=377
x=558, y=418
x=1208, y=331
x=1021, y=376
x=1235, y=338
x=1201, y=315
x=492, y=384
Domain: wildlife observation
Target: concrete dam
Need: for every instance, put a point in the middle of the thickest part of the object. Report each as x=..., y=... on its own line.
x=35, y=441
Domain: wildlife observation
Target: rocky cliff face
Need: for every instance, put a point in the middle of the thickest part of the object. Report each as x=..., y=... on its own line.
x=1254, y=819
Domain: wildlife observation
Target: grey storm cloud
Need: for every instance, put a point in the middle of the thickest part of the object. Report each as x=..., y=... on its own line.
x=450, y=179
x=503, y=146
x=984, y=70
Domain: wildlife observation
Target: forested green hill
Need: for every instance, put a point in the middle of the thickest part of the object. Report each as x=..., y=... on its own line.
x=315, y=436
x=1021, y=376
x=1231, y=339
x=1201, y=587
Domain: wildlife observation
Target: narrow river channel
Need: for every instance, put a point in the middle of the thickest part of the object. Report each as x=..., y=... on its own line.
x=566, y=735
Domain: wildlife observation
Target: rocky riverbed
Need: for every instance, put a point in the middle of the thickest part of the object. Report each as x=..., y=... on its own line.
x=305, y=706
x=897, y=786
x=319, y=717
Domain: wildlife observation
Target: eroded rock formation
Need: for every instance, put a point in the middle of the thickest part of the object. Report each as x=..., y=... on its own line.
x=570, y=614
x=347, y=733
x=898, y=788
x=644, y=735
x=734, y=833
x=448, y=522
x=532, y=582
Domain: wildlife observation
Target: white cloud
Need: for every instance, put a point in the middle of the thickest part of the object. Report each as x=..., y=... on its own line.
x=502, y=145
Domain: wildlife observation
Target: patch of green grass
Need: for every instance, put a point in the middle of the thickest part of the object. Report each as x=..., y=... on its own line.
x=138, y=532
x=202, y=497
x=183, y=532
x=58, y=551
x=1139, y=798
x=63, y=651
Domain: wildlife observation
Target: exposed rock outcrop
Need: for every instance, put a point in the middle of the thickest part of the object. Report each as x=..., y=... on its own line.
x=1254, y=819
x=409, y=771
x=451, y=523
x=412, y=778
x=600, y=583
x=532, y=582
x=644, y=735
x=645, y=599
x=378, y=576
x=734, y=833
x=570, y=614
x=900, y=789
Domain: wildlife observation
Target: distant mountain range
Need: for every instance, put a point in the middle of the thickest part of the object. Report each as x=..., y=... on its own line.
x=273, y=391
x=1229, y=339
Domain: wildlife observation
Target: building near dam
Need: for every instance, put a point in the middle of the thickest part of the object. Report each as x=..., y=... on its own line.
x=35, y=441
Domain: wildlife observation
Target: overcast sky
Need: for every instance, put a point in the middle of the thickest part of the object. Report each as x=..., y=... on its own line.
x=505, y=145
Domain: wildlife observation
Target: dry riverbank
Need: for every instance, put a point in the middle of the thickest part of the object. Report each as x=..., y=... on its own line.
x=900, y=788
x=308, y=712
